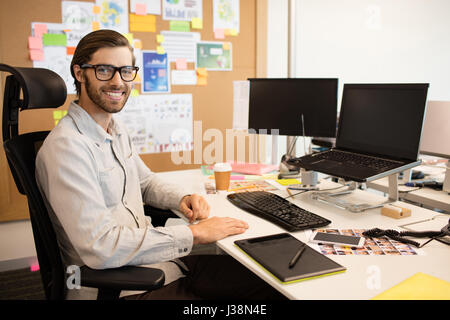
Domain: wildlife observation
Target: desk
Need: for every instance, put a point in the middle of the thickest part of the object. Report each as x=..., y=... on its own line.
x=358, y=281
x=428, y=197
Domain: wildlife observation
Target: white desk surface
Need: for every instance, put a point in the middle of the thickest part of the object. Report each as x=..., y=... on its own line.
x=425, y=196
x=366, y=276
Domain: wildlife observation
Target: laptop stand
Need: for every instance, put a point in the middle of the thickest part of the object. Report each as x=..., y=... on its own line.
x=333, y=197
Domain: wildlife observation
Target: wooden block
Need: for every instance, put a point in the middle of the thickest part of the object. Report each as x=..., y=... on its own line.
x=394, y=211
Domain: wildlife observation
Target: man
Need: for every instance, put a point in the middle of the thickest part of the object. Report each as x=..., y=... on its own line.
x=94, y=185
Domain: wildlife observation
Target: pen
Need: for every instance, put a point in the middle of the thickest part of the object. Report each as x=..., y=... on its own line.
x=297, y=256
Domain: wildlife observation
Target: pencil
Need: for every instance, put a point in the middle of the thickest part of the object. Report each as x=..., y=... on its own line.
x=290, y=193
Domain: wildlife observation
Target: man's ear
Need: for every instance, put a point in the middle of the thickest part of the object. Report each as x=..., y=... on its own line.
x=78, y=72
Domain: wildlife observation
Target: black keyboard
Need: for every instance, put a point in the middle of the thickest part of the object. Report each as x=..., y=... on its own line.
x=277, y=210
x=367, y=161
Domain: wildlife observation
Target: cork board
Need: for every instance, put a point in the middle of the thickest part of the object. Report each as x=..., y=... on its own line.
x=212, y=104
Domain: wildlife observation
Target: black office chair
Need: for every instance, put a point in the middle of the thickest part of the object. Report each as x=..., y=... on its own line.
x=42, y=88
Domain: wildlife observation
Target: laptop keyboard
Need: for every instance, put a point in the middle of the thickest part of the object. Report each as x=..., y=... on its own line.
x=366, y=161
x=277, y=210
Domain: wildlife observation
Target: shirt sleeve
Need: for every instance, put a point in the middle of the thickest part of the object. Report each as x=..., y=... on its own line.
x=67, y=175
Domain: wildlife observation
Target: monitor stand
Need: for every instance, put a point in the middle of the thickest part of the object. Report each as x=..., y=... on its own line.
x=333, y=197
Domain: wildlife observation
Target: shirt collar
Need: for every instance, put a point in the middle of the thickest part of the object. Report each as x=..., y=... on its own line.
x=87, y=125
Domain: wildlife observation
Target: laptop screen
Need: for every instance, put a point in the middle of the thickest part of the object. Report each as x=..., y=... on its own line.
x=382, y=119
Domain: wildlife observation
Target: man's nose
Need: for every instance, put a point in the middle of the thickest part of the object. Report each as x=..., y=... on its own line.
x=116, y=79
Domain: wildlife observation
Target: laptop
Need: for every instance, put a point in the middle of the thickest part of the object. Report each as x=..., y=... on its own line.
x=379, y=131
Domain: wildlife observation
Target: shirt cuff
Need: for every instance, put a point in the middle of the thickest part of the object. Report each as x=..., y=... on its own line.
x=184, y=240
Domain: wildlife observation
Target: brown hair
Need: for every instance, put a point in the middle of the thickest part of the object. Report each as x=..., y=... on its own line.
x=94, y=41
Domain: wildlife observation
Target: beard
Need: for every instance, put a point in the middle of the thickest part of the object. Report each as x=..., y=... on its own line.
x=108, y=106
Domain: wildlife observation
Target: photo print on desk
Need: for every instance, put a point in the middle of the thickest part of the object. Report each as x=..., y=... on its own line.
x=372, y=247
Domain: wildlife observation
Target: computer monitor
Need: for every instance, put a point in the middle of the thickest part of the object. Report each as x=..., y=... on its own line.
x=436, y=130
x=280, y=104
x=382, y=119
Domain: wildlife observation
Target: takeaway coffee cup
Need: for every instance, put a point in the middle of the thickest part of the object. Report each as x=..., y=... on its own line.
x=222, y=173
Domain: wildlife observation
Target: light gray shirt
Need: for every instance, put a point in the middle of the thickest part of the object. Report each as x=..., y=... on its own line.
x=94, y=184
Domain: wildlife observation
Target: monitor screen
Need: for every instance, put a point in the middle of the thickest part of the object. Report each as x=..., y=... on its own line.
x=280, y=103
x=382, y=119
x=436, y=130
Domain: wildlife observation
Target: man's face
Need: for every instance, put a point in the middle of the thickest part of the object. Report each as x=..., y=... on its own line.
x=110, y=95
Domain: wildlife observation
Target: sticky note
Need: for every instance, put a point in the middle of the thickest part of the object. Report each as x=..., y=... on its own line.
x=95, y=25
x=70, y=51
x=130, y=37
x=159, y=38
x=202, y=72
x=140, y=9
x=219, y=33
x=202, y=81
x=134, y=93
x=160, y=50
x=57, y=114
x=287, y=182
x=175, y=25
x=233, y=32
x=197, y=23
x=96, y=9
x=181, y=64
x=226, y=46
x=40, y=29
x=35, y=43
x=54, y=39
x=137, y=44
x=142, y=23
x=36, y=55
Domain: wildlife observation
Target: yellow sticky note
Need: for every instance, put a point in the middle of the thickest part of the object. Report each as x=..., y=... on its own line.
x=159, y=38
x=202, y=81
x=95, y=25
x=134, y=93
x=287, y=182
x=233, y=32
x=130, y=37
x=137, y=44
x=57, y=114
x=202, y=72
x=96, y=10
x=160, y=50
x=226, y=46
x=197, y=23
x=146, y=23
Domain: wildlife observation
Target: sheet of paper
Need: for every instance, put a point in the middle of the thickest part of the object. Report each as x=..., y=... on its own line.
x=155, y=72
x=180, y=45
x=159, y=123
x=152, y=6
x=113, y=15
x=184, y=77
x=77, y=17
x=226, y=15
x=145, y=23
x=241, y=92
x=215, y=56
x=182, y=10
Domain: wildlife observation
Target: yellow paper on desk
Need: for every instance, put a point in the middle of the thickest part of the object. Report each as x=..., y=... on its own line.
x=287, y=182
x=420, y=286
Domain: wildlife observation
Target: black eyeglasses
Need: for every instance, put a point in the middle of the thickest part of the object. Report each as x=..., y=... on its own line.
x=105, y=72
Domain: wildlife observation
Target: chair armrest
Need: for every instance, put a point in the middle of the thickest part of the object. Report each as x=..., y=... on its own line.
x=123, y=278
x=159, y=216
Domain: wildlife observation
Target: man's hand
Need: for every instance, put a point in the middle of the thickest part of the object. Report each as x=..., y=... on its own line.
x=194, y=207
x=216, y=228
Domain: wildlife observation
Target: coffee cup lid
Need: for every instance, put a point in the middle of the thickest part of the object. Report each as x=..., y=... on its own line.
x=222, y=167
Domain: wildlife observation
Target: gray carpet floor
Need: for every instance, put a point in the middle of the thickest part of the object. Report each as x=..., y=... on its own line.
x=21, y=285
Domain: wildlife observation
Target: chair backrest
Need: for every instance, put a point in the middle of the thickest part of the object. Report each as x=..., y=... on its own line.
x=39, y=88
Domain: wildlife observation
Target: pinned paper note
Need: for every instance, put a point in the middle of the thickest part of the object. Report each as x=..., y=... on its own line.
x=50, y=39
x=95, y=25
x=96, y=9
x=70, y=50
x=181, y=64
x=137, y=44
x=40, y=29
x=130, y=37
x=35, y=43
x=202, y=72
x=36, y=55
x=140, y=9
x=134, y=93
x=160, y=50
x=197, y=23
x=219, y=33
x=139, y=23
x=176, y=25
x=159, y=38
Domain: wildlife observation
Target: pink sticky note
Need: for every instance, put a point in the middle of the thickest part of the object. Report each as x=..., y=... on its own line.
x=219, y=33
x=237, y=177
x=36, y=55
x=140, y=9
x=35, y=43
x=181, y=64
x=40, y=29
